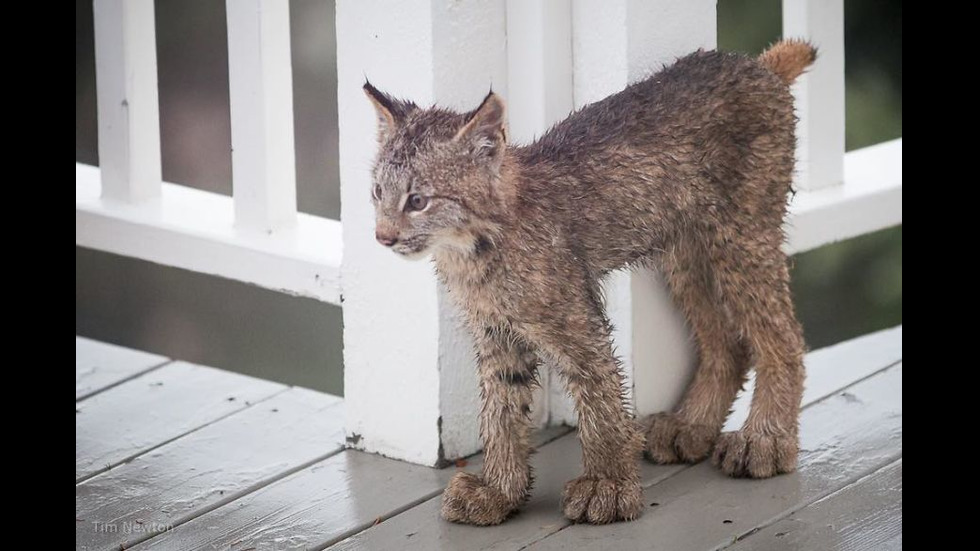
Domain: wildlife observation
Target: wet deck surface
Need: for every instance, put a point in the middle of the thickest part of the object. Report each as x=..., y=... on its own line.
x=170, y=455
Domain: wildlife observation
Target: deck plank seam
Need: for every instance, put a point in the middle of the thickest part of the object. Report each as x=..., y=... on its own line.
x=243, y=493
x=862, y=379
x=393, y=513
x=127, y=459
x=125, y=379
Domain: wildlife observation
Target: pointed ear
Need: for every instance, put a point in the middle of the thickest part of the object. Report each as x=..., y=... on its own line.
x=486, y=130
x=391, y=112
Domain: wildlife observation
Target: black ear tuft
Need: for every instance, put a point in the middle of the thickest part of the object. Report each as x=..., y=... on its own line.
x=486, y=128
x=391, y=112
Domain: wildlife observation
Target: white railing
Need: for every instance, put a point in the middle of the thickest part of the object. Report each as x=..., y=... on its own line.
x=410, y=387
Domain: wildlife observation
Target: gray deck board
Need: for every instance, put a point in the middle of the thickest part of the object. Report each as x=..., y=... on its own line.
x=843, y=438
x=99, y=366
x=344, y=493
x=131, y=418
x=316, y=507
x=828, y=369
x=206, y=469
x=421, y=528
x=230, y=476
x=865, y=516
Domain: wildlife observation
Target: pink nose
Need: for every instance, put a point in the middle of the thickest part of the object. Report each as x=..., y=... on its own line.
x=386, y=240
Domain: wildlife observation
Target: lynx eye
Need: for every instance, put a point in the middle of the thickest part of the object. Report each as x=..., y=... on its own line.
x=376, y=192
x=417, y=202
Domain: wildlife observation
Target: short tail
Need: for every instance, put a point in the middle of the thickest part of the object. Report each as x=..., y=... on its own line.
x=789, y=58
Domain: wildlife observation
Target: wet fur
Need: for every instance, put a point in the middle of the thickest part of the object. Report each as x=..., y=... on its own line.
x=687, y=171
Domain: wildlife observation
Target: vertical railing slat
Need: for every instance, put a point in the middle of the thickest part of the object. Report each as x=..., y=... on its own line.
x=260, y=78
x=617, y=42
x=539, y=66
x=820, y=91
x=128, y=105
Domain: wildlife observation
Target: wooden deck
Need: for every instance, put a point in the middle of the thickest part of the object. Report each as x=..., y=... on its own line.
x=174, y=456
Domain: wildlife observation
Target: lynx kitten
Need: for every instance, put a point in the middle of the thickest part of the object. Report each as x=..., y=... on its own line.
x=687, y=171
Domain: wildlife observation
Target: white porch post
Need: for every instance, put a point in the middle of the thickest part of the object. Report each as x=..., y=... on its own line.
x=409, y=383
x=126, y=87
x=617, y=42
x=819, y=92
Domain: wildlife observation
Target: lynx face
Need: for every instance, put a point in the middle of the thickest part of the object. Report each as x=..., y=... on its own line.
x=434, y=173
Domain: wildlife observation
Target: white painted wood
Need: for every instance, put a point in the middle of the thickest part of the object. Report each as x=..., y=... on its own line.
x=539, y=74
x=194, y=230
x=126, y=90
x=869, y=200
x=539, y=66
x=819, y=92
x=260, y=78
x=141, y=414
x=616, y=43
x=99, y=366
x=206, y=469
x=402, y=344
x=843, y=438
x=865, y=516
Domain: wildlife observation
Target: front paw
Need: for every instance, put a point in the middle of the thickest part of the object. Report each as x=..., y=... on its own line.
x=601, y=500
x=670, y=439
x=752, y=454
x=468, y=500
